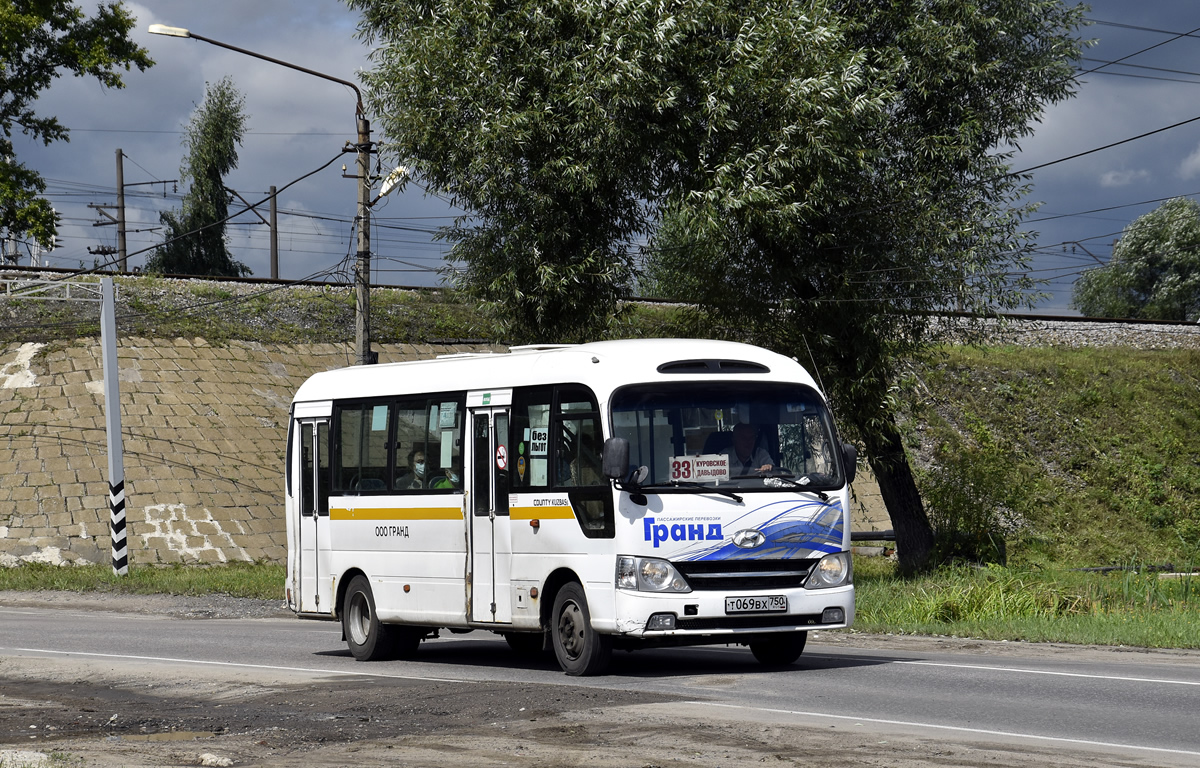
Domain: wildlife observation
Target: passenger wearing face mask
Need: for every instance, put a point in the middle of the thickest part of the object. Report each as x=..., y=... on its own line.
x=415, y=477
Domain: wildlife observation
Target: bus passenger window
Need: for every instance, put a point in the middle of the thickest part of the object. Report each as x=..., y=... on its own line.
x=412, y=445
x=363, y=448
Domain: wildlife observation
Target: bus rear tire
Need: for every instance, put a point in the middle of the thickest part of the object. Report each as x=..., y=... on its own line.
x=369, y=640
x=779, y=650
x=580, y=650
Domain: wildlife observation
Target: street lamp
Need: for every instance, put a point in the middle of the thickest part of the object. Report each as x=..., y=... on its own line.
x=362, y=267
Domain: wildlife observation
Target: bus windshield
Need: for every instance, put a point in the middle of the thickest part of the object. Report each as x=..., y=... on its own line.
x=736, y=435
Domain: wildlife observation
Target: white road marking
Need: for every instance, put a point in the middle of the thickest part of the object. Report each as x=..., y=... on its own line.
x=1023, y=670
x=1048, y=672
x=956, y=728
x=247, y=666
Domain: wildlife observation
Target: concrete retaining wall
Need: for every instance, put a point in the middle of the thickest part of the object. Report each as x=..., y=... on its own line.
x=204, y=431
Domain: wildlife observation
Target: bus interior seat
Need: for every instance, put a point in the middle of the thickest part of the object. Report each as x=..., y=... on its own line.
x=368, y=484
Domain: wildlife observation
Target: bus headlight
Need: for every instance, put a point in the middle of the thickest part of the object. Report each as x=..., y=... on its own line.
x=832, y=571
x=649, y=574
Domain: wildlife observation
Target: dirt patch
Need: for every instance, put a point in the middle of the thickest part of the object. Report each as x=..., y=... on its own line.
x=59, y=713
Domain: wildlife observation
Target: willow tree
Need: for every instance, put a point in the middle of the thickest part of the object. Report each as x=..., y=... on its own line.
x=1154, y=272
x=815, y=176
x=194, y=240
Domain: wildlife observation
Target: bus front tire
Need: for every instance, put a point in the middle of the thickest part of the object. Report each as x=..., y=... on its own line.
x=580, y=650
x=369, y=640
x=779, y=650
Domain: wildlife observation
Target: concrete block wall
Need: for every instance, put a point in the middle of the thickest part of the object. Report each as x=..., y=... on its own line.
x=204, y=430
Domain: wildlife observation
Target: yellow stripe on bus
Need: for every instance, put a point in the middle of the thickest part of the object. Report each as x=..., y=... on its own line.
x=541, y=513
x=407, y=513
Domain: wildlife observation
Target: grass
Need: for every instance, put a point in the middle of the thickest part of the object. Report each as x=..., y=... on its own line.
x=1060, y=457
x=257, y=580
x=1127, y=607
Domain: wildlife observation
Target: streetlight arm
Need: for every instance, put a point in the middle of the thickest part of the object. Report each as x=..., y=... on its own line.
x=160, y=29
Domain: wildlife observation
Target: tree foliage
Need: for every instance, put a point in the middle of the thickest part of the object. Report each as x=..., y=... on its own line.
x=194, y=242
x=816, y=177
x=39, y=41
x=1154, y=272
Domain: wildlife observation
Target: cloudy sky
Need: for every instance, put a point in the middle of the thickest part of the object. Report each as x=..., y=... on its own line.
x=299, y=123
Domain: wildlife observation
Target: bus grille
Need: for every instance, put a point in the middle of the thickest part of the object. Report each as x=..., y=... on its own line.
x=737, y=575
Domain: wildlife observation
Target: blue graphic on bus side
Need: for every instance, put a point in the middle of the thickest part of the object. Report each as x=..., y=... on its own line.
x=790, y=530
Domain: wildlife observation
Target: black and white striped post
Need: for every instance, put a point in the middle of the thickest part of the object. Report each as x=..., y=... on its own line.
x=112, y=418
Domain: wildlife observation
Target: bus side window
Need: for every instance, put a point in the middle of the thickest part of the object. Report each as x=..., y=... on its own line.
x=577, y=461
x=529, y=438
x=412, y=445
x=363, y=448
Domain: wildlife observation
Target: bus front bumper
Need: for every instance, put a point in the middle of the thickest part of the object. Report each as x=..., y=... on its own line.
x=699, y=617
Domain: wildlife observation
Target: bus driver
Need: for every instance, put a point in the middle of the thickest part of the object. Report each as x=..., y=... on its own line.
x=744, y=456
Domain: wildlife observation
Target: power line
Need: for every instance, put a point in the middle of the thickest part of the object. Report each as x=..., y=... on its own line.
x=1106, y=146
x=1143, y=50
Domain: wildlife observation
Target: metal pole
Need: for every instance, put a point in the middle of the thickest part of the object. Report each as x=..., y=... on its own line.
x=274, y=238
x=112, y=423
x=121, y=211
x=362, y=269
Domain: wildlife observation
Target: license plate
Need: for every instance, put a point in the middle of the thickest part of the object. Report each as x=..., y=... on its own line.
x=767, y=604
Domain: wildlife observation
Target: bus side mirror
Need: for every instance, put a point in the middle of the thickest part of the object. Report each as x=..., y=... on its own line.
x=615, y=458
x=850, y=459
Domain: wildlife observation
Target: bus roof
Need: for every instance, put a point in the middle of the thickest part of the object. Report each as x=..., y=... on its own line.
x=602, y=365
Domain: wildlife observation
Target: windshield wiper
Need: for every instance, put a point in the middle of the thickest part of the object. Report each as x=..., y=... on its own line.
x=691, y=486
x=803, y=486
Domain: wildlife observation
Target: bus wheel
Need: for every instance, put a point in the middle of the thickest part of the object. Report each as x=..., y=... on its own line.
x=580, y=649
x=779, y=650
x=368, y=639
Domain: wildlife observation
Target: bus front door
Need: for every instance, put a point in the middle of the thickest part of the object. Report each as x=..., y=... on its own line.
x=491, y=542
x=313, y=529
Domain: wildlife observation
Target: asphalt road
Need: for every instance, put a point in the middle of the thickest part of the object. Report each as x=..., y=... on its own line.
x=1132, y=707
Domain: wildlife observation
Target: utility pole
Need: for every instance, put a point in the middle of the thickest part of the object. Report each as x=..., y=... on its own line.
x=274, y=237
x=362, y=267
x=121, y=210
x=119, y=218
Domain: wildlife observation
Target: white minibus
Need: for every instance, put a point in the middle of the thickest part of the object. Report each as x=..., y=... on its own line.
x=612, y=495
